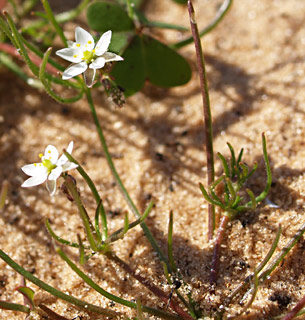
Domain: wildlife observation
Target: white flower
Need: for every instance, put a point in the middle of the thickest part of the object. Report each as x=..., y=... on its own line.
x=84, y=53
x=49, y=169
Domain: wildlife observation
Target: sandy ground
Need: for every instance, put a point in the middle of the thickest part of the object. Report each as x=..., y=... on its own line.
x=255, y=63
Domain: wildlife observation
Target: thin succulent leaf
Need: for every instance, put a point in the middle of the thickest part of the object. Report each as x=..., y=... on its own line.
x=94, y=191
x=53, y=315
x=47, y=86
x=44, y=286
x=82, y=257
x=258, y=269
x=118, y=180
x=236, y=202
x=60, y=18
x=89, y=229
x=53, y=21
x=218, y=17
x=252, y=197
x=19, y=45
x=108, y=295
x=224, y=164
x=117, y=234
x=232, y=161
x=253, y=293
x=232, y=191
x=170, y=242
x=15, y=9
x=4, y=191
x=240, y=155
x=96, y=221
x=245, y=170
x=28, y=293
x=57, y=238
x=208, y=198
x=264, y=194
x=126, y=225
x=6, y=30
x=14, y=306
x=281, y=255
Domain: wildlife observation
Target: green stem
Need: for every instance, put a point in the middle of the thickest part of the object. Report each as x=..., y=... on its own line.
x=110, y=296
x=219, y=16
x=82, y=212
x=207, y=115
x=52, y=19
x=118, y=180
x=47, y=86
x=79, y=303
x=60, y=18
x=94, y=191
x=14, y=307
x=3, y=193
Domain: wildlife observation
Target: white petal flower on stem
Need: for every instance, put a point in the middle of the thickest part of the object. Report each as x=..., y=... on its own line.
x=49, y=169
x=85, y=55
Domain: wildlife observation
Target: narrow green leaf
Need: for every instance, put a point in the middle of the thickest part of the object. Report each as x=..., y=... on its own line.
x=14, y=307
x=28, y=293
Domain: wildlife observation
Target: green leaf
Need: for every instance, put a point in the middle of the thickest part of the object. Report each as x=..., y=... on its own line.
x=181, y=1
x=130, y=73
x=119, y=41
x=165, y=67
x=103, y=16
x=28, y=293
x=136, y=3
x=148, y=59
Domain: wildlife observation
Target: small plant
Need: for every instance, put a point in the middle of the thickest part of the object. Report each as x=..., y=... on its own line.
x=131, y=49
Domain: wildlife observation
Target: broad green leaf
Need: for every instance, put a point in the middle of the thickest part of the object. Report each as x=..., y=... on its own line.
x=148, y=59
x=164, y=66
x=119, y=41
x=130, y=73
x=103, y=16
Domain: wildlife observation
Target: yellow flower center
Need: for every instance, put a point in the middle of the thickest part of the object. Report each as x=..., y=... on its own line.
x=88, y=56
x=48, y=165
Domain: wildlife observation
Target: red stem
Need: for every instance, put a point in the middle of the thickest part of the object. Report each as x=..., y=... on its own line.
x=155, y=290
x=217, y=248
x=2, y=4
x=206, y=114
x=299, y=306
x=11, y=50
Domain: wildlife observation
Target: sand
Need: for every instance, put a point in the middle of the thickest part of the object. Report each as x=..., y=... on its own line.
x=255, y=64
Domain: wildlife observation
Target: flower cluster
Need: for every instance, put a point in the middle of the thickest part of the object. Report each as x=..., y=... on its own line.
x=49, y=169
x=85, y=56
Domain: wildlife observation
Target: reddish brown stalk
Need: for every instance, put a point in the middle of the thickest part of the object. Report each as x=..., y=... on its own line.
x=299, y=306
x=217, y=248
x=151, y=287
x=2, y=4
x=206, y=113
x=53, y=315
x=11, y=50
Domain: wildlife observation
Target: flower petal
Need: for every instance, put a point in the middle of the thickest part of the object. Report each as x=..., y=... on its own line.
x=63, y=159
x=89, y=76
x=103, y=43
x=55, y=173
x=84, y=38
x=71, y=54
x=74, y=70
x=69, y=166
x=34, y=181
x=97, y=63
x=110, y=56
x=34, y=169
x=51, y=153
x=51, y=186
